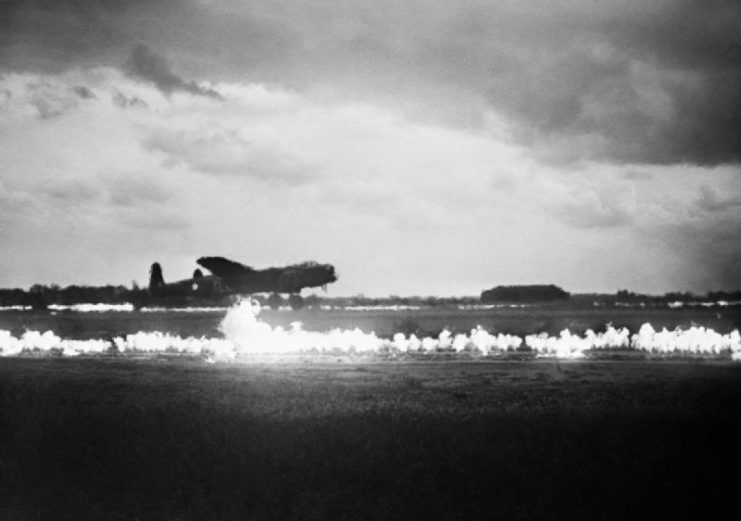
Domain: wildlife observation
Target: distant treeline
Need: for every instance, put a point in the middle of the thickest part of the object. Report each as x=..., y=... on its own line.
x=391, y=300
x=40, y=296
x=624, y=295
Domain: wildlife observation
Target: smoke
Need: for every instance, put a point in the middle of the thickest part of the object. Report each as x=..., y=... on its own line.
x=245, y=334
x=250, y=335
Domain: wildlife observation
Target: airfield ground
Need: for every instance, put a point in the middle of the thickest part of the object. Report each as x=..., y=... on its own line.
x=522, y=321
x=167, y=439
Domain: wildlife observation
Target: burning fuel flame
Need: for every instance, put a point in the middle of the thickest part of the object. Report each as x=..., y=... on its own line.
x=245, y=334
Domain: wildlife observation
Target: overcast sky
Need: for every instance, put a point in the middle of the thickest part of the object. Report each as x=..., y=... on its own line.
x=423, y=147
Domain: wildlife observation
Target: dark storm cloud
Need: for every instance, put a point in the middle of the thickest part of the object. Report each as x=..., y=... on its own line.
x=55, y=35
x=656, y=84
x=623, y=81
x=52, y=35
x=145, y=64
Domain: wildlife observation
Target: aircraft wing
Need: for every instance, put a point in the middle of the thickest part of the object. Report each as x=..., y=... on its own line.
x=224, y=268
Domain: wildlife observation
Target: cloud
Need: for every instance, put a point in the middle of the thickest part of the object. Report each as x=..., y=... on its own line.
x=157, y=220
x=224, y=151
x=135, y=190
x=126, y=103
x=271, y=175
x=589, y=209
x=626, y=82
x=637, y=175
x=83, y=92
x=147, y=65
x=13, y=203
x=69, y=192
x=49, y=101
x=704, y=253
x=711, y=201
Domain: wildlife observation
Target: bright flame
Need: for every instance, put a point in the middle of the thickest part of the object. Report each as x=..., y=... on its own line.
x=244, y=333
x=92, y=308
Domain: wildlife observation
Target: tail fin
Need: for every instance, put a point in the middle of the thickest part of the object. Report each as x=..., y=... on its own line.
x=156, y=280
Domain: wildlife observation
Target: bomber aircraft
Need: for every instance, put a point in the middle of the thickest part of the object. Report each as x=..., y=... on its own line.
x=230, y=278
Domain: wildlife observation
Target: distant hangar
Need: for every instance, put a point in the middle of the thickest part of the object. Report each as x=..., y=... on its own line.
x=531, y=293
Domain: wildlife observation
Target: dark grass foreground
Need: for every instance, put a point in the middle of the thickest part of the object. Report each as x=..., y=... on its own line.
x=125, y=439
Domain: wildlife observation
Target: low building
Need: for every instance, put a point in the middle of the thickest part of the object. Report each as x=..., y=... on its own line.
x=532, y=293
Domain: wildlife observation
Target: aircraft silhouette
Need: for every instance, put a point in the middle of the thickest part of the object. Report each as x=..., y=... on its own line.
x=232, y=278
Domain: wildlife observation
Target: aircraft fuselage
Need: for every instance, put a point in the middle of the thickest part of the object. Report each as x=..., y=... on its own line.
x=229, y=278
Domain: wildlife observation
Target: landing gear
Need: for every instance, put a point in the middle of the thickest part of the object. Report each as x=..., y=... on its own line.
x=296, y=301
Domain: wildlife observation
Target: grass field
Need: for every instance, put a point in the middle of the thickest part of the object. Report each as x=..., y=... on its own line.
x=124, y=439
x=551, y=319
